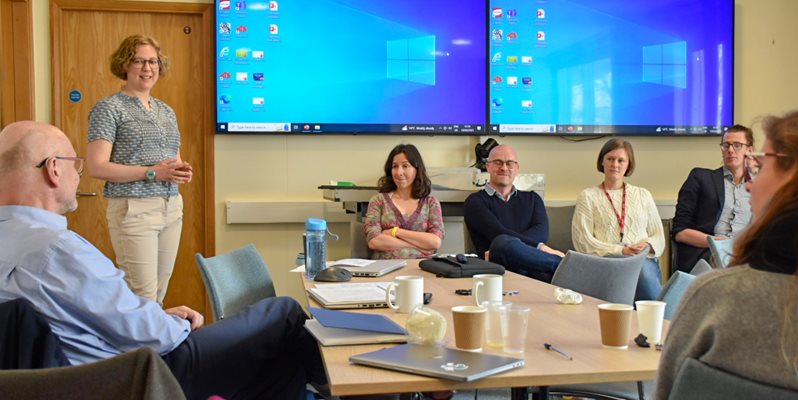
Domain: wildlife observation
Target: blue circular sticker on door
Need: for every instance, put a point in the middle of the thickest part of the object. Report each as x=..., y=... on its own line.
x=75, y=96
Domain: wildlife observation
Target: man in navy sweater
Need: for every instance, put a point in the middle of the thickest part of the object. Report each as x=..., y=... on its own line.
x=509, y=224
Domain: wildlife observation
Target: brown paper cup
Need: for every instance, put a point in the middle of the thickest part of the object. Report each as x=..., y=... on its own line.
x=616, y=325
x=469, y=327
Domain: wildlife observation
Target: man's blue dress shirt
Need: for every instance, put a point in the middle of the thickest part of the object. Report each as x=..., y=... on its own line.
x=78, y=290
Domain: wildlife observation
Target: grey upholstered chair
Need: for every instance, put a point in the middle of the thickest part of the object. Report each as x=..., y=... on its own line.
x=699, y=381
x=700, y=267
x=135, y=375
x=235, y=280
x=612, y=279
x=560, y=227
x=673, y=291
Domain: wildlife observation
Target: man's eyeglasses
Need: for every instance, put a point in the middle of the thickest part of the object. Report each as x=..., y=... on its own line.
x=510, y=164
x=154, y=63
x=78, y=162
x=753, y=162
x=737, y=145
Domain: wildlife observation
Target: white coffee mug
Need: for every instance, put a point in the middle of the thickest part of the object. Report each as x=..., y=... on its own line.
x=409, y=293
x=487, y=287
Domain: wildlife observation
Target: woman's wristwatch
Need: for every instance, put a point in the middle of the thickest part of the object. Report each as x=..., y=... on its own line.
x=150, y=175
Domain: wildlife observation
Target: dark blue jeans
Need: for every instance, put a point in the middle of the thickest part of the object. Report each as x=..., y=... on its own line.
x=650, y=282
x=261, y=352
x=522, y=258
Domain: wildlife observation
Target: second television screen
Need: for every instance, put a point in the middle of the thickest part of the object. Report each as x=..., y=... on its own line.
x=641, y=67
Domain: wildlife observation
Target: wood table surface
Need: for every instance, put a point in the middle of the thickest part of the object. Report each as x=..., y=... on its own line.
x=572, y=328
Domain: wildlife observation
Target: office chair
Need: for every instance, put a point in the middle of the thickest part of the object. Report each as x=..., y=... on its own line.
x=235, y=280
x=560, y=227
x=612, y=279
x=34, y=366
x=673, y=291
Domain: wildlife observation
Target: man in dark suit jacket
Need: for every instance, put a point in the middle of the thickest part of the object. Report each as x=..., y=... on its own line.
x=702, y=199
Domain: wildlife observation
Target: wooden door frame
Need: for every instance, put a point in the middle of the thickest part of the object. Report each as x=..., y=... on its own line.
x=16, y=56
x=203, y=9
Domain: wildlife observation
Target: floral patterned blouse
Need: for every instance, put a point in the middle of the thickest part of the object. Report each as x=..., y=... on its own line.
x=382, y=214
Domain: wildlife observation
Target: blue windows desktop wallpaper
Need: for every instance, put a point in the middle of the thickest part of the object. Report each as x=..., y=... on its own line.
x=350, y=65
x=474, y=67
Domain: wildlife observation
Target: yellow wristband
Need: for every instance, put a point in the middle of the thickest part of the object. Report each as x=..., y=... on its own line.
x=393, y=231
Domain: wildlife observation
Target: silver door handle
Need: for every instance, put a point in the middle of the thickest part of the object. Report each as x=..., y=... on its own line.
x=86, y=194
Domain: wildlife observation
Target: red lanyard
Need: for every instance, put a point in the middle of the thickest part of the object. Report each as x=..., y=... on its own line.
x=622, y=217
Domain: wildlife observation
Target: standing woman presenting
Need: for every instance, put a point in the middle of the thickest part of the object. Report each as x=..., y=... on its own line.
x=134, y=145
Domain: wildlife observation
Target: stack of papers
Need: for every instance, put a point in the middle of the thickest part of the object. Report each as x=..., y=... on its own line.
x=336, y=328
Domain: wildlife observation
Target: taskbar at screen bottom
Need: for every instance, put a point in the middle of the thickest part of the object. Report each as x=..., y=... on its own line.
x=322, y=128
x=577, y=129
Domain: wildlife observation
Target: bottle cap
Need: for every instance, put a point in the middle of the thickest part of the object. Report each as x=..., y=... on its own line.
x=315, y=224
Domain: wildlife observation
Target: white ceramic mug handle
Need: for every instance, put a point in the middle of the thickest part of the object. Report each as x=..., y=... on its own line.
x=391, y=286
x=477, y=285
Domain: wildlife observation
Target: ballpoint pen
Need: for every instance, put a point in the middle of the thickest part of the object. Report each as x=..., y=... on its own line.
x=551, y=347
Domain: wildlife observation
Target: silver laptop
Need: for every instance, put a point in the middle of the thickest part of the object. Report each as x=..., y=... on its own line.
x=341, y=336
x=438, y=361
x=350, y=294
x=374, y=269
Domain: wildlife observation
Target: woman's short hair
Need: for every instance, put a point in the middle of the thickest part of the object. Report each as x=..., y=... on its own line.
x=124, y=54
x=422, y=186
x=615, y=144
x=782, y=133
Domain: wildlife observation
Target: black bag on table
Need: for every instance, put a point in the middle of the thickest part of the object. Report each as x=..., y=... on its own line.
x=450, y=267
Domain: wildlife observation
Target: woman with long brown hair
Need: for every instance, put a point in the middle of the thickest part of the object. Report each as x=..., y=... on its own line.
x=744, y=319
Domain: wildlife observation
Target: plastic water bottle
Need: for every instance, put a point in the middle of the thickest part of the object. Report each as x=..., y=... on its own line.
x=316, y=246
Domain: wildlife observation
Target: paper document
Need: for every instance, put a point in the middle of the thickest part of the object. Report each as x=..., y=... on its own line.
x=351, y=262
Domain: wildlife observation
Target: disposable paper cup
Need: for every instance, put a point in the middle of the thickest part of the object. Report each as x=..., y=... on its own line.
x=615, y=321
x=469, y=327
x=650, y=314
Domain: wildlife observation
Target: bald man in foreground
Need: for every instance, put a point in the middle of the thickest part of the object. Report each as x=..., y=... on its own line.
x=261, y=352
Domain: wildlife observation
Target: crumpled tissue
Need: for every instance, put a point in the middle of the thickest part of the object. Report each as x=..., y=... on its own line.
x=567, y=296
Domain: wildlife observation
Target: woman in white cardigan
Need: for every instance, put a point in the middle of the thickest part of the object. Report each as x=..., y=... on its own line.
x=615, y=218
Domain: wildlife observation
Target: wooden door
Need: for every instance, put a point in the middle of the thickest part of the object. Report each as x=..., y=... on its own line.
x=84, y=34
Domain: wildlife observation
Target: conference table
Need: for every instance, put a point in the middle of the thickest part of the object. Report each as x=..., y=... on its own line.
x=572, y=328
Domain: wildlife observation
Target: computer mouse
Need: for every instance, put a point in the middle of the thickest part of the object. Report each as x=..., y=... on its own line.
x=333, y=274
x=461, y=258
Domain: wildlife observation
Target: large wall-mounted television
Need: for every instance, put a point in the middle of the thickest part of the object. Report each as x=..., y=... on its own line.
x=351, y=66
x=455, y=67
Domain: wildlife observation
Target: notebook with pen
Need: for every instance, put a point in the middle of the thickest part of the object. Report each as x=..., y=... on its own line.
x=360, y=267
x=438, y=361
